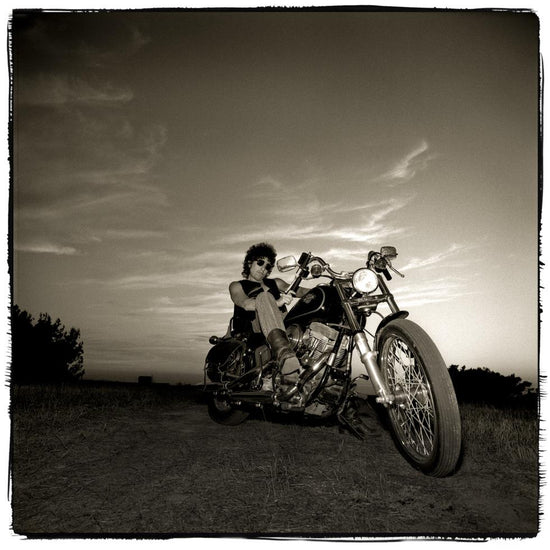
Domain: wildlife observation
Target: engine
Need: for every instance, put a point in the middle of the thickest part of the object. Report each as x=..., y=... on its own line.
x=312, y=346
x=316, y=340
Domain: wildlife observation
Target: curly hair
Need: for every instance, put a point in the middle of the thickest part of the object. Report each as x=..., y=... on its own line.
x=256, y=251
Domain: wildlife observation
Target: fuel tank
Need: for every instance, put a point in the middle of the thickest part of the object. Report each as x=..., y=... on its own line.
x=321, y=303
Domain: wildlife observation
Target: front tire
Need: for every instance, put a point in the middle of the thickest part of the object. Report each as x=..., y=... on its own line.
x=424, y=418
x=222, y=412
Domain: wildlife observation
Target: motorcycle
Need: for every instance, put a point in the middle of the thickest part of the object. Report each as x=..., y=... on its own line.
x=413, y=388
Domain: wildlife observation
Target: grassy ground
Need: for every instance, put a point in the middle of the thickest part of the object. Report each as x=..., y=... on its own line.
x=148, y=461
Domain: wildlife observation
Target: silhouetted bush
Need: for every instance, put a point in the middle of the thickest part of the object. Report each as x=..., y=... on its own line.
x=44, y=351
x=484, y=386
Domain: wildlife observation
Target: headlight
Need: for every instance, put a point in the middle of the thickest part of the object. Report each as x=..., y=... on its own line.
x=364, y=280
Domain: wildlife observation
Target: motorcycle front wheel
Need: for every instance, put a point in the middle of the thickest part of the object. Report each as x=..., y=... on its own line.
x=424, y=417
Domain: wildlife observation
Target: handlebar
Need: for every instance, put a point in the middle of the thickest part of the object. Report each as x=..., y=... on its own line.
x=341, y=275
x=376, y=261
x=306, y=259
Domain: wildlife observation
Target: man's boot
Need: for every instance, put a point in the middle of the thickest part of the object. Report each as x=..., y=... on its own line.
x=286, y=359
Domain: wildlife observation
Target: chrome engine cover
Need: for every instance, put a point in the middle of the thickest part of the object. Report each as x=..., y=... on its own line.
x=318, y=339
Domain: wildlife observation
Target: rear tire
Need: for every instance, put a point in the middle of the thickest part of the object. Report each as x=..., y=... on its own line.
x=224, y=413
x=424, y=419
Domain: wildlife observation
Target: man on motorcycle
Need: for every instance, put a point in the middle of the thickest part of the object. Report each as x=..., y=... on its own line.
x=260, y=305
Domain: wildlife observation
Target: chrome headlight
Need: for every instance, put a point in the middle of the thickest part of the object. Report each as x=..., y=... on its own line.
x=364, y=280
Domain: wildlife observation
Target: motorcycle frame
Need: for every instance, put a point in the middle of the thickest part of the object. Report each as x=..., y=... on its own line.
x=367, y=355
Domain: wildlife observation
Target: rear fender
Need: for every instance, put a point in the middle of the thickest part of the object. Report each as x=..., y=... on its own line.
x=223, y=349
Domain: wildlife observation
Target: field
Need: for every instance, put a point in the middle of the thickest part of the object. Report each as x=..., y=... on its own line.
x=146, y=461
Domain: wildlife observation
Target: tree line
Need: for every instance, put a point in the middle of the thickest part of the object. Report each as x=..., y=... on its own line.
x=484, y=386
x=44, y=351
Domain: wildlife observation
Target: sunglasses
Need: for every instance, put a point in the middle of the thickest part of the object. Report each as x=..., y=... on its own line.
x=268, y=266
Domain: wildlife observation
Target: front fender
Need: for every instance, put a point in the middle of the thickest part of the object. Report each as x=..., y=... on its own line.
x=385, y=321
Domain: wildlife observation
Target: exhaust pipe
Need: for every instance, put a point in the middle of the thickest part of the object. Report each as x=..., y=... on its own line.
x=305, y=376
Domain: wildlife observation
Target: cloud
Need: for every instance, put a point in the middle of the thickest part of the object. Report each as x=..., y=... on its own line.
x=342, y=208
x=407, y=167
x=125, y=41
x=108, y=215
x=47, y=248
x=197, y=277
x=372, y=226
x=303, y=200
x=75, y=145
x=276, y=231
x=434, y=291
x=131, y=234
x=436, y=258
x=215, y=303
x=97, y=184
x=103, y=40
x=279, y=199
x=57, y=89
x=366, y=234
x=205, y=273
x=267, y=186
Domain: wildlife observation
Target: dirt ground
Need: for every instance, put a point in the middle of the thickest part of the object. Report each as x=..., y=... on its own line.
x=171, y=471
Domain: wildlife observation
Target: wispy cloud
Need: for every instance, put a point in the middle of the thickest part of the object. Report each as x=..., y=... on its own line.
x=56, y=89
x=215, y=303
x=106, y=216
x=426, y=290
x=131, y=234
x=436, y=258
x=287, y=199
x=102, y=190
x=407, y=167
x=436, y=291
x=372, y=225
x=128, y=40
x=268, y=186
x=303, y=199
x=47, y=248
x=198, y=277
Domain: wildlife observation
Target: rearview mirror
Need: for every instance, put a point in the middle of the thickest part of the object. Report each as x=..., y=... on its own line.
x=288, y=263
x=388, y=252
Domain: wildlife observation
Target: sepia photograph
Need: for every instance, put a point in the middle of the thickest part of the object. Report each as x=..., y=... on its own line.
x=274, y=273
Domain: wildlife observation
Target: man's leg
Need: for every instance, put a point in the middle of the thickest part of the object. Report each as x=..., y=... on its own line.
x=271, y=323
x=269, y=315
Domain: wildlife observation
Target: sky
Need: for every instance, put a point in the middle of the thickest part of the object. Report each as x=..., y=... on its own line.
x=151, y=149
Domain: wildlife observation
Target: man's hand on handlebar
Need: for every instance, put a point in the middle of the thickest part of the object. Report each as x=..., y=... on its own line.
x=284, y=300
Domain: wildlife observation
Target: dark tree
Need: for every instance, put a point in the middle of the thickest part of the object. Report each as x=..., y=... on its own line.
x=44, y=351
x=482, y=385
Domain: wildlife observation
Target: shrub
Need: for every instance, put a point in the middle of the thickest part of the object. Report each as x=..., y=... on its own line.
x=483, y=386
x=44, y=351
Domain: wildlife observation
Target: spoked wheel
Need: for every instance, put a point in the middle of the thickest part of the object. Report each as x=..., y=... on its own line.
x=424, y=416
x=223, y=412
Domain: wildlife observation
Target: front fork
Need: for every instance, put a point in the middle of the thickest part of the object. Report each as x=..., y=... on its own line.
x=367, y=355
x=368, y=358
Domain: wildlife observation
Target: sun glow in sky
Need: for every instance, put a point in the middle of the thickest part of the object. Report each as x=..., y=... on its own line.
x=151, y=149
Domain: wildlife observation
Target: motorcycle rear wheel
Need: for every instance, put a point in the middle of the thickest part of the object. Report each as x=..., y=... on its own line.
x=222, y=412
x=424, y=418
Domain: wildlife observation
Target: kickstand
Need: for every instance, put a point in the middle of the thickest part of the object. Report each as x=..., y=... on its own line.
x=349, y=417
x=354, y=424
